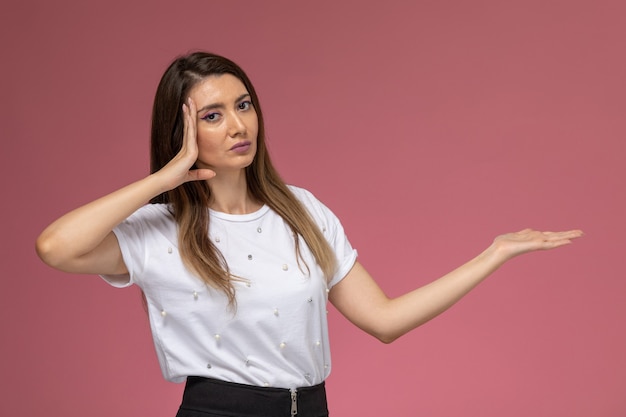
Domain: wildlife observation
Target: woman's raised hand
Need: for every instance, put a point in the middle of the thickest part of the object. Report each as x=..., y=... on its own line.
x=82, y=240
x=510, y=245
x=178, y=170
x=360, y=299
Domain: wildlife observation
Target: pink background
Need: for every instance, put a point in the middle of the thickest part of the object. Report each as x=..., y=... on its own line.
x=429, y=128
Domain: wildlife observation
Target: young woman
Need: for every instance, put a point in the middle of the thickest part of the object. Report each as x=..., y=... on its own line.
x=237, y=267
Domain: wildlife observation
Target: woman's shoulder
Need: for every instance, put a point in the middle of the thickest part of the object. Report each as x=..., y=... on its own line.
x=312, y=203
x=152, y=214
x=303, y=195
x=299, y=191
x=156, y=209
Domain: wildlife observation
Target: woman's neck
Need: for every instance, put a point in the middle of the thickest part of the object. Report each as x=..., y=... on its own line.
x=229, y=194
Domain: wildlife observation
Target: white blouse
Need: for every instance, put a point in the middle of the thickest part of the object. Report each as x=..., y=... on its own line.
x=278, y=334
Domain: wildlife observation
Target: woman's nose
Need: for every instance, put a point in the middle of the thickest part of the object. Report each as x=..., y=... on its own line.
x=236, y=126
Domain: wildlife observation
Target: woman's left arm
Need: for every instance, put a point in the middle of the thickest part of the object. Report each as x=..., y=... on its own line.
x=361, y=300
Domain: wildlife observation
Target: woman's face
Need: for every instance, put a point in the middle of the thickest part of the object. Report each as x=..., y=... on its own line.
x=227, y=123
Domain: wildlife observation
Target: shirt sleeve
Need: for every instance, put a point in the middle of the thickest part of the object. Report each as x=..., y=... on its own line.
x=333, y=230
x=131, y=237
x=346, y=254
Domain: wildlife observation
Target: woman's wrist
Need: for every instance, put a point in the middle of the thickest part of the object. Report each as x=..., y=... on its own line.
x=496, y=254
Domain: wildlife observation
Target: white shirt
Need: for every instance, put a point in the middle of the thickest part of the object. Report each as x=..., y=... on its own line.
x=278, y=334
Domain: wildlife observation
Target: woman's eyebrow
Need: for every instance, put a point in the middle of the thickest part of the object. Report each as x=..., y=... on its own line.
x=221, y=105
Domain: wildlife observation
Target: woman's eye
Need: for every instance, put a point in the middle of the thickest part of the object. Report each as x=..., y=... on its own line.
x=245, y=105
x=211, y=117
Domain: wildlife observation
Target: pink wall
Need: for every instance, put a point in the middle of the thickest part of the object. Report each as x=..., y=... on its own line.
x=428, y=128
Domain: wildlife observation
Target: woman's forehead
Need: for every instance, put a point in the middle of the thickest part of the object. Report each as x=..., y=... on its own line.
x=218, y=87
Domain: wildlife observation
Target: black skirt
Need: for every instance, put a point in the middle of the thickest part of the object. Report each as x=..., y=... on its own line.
x=205, y=397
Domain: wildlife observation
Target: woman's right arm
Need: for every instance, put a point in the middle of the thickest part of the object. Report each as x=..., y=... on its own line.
x=82, y=240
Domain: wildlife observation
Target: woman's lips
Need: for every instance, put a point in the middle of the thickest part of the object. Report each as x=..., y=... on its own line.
x=241, y=147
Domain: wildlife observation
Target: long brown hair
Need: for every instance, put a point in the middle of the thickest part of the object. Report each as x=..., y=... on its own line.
x=190, y=200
